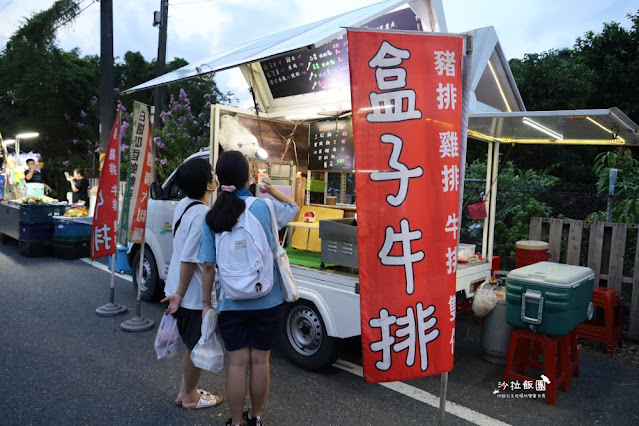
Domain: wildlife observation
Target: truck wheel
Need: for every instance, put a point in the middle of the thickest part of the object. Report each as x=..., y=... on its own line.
x=150, y=287
x=305, y=341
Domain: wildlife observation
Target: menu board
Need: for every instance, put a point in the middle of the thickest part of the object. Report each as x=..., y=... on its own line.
x=325, y=67
x=331, y=145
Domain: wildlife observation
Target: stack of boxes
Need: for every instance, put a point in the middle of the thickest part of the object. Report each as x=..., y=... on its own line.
x=72, y=237
x=36, y=228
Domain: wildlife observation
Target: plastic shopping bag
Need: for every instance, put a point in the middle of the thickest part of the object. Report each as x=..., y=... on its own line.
x=484, y=300
x=168, y=340
x=208, y=353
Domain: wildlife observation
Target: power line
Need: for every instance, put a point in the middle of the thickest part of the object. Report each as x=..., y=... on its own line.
x=76, y=15
x=5, y=6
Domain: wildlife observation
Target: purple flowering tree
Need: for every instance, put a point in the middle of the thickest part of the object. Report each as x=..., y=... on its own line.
x=184, y=133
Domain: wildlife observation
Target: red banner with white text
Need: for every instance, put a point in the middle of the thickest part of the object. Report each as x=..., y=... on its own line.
x=407, y=102
x=105, y=216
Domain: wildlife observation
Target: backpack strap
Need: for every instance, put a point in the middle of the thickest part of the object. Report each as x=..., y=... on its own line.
x=177, y=224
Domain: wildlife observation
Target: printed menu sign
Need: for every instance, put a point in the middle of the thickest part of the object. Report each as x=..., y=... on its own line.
x=331, y=145
x=325, y=67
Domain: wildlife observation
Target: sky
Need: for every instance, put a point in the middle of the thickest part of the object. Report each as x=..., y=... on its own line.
x=199, y=28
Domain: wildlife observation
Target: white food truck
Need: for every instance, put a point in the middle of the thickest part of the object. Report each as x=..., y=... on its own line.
x=328, y=310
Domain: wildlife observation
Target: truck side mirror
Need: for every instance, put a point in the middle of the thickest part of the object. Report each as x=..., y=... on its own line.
x=156, y=191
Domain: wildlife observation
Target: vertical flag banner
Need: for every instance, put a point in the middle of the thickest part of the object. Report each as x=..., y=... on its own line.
x=407, y=102
x=105, y=217
x=141, y=172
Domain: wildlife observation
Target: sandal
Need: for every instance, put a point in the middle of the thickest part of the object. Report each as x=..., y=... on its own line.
x=207, y=399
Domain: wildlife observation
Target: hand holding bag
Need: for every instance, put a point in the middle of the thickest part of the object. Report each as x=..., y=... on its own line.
x=208, y=353
x=290, y=292
x=168, y=339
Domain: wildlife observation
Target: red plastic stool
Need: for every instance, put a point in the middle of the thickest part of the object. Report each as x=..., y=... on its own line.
x=560, y=359
x=609, y=329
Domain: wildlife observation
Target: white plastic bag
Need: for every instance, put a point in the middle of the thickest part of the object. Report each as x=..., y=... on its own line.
x=290, y=292
x=208, y=353
x=484, y=300
x=168, y=340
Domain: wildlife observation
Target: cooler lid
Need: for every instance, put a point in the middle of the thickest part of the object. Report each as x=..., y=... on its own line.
x=531, y=245
x=551, y=274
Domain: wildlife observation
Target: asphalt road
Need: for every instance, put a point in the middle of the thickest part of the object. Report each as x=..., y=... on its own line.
x=61, y=364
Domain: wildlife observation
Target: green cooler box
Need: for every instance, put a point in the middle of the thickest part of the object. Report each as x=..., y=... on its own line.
x=549, y=298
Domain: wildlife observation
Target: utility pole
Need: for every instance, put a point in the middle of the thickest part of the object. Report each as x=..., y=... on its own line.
x=161, y=60
x=106, y=71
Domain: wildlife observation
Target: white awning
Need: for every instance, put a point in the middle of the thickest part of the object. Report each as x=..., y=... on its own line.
x=310, y=35
x=576, y=127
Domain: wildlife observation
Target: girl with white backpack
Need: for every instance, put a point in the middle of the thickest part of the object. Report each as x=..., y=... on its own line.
x=237, y=250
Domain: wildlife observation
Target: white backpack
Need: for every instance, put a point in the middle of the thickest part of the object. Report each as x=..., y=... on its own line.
x=244, y=260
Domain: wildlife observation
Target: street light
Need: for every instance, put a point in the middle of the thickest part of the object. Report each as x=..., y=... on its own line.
x=28, y=135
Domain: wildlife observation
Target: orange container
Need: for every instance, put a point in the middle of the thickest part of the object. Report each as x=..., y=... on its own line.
x=528, y=252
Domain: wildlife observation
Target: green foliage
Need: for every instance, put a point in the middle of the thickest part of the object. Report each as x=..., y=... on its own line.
x=626, y=201
x=517, y=193
x=55, y=93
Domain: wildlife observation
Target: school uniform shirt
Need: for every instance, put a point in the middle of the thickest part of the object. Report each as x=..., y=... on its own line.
x=284, y=212
x=186, y=243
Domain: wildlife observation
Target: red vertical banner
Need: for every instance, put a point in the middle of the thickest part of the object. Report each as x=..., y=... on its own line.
x=141, y=171
x=105, y=217
x=407, y=102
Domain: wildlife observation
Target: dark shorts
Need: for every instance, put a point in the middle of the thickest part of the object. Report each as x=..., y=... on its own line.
x=259, y=329
x=189, y=324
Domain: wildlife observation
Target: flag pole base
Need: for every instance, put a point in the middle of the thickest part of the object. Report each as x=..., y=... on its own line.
x=111, y=310
x=137, y=324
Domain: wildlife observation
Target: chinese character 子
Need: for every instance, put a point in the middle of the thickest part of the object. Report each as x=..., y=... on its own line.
x=384, y=323
x=102, y=236
x=446, y=96
x=388, y=56
x=449, y=146
x=112, y=154
x=388, y=107
x=400, y=173
x=445, y=63
x=450, y=179
x=452, y=225
x=113, y=170
x=451, y=260
x=407, y=258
